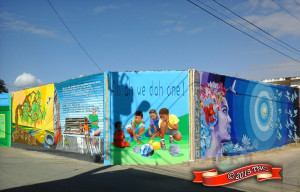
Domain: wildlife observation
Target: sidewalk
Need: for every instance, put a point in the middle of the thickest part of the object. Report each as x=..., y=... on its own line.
x=287, y=158
x=23, y=170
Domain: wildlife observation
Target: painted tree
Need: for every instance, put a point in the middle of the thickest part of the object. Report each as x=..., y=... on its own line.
x=31, y=110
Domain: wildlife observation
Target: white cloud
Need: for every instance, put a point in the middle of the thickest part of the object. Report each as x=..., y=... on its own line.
x=173, y=24
x=271, y=17
x=268, y=4
x=271, y=70
x=196, y=30
x=168, y=22
x=178, y=29
x=9, y=22
x=262, y=6
x=251, y=4
x=281, y=24
x=26, y=80
x=101, y=9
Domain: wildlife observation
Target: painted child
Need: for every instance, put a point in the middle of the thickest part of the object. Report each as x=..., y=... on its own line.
x=154, y=128
x=119, y=136
x=136, y=129
x=168, y=124
x=86, y=130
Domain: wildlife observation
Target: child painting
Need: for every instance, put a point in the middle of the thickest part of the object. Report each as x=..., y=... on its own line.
x=154, y=128
x=86, y=130
x=136, y=129
x=119, y=136
x=168, y=124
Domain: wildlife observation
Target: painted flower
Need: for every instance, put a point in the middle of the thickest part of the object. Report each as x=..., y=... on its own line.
x=215, y=92
x=205, y=136
x=209, y=113
x=211, y=96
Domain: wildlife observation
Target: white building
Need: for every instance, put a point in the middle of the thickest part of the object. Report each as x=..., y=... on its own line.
x=288, y=81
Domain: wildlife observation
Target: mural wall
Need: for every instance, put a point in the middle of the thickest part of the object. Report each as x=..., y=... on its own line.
x=5, y=120
x=164, y=117
x=32, y=116
x=79, y=112
x=131, y=96
x=239, y=116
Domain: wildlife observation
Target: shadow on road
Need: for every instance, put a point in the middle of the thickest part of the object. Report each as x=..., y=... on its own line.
x=72, y=155
x=131, y=180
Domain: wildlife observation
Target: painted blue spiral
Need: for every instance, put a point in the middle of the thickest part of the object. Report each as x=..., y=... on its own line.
x=262, y=109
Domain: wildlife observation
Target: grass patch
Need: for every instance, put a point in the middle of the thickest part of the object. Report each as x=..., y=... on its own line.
x=127, y=156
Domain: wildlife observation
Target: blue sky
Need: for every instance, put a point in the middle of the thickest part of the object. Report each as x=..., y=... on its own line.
x=120, y=35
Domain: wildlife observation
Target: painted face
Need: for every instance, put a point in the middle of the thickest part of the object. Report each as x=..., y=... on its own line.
x=94, y=112
x=164, y=117
x=223, y=123
x=153, y=115
x=138, y=119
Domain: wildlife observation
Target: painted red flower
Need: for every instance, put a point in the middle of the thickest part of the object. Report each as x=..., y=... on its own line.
x=209, y=113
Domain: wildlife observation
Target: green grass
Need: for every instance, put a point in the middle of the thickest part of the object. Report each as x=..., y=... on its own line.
x=127, y=156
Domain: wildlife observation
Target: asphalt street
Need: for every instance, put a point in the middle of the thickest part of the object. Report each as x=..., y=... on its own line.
x=27, y=169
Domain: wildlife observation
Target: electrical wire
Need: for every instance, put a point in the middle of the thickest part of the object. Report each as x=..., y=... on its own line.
x=243, y=31
x=285, y=10
x=74, y=37
x=248, y=27
x=254, y=25
x=297, y=2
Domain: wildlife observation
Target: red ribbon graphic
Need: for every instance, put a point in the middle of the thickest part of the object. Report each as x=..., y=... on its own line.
x=211, y=177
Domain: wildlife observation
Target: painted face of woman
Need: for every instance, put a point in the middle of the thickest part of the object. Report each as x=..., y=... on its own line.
x=223, y=123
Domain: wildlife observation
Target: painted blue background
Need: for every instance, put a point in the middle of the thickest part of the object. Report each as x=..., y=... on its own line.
x=133, y=91
x=266, y=114
x=78, y=97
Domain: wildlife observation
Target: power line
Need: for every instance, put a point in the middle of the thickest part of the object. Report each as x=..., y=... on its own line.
x=286, y=10
x=242, y=31
x=74, y=37
x=249, y=28
x=297, y=2
x=254, y=25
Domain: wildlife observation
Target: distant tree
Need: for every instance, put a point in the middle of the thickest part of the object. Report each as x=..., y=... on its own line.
x=3, y=88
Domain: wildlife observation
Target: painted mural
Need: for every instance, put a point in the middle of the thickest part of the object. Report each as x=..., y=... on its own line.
x=148, y=120
x=5, y=119
x=79, y=113
x=239, y=116
x=32, y=116
x=149, y=117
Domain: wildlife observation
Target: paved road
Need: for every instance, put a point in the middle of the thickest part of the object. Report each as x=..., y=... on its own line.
x=27, y=170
